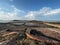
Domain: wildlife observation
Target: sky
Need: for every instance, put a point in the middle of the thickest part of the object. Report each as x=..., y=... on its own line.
x=45, y=10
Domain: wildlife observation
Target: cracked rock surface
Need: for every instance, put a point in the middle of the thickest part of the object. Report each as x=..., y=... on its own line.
x=20, y=38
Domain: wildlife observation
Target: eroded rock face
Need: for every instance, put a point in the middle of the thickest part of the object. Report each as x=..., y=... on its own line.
x=11, y=37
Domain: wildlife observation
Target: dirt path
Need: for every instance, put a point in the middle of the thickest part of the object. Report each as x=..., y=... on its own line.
x=52, y=25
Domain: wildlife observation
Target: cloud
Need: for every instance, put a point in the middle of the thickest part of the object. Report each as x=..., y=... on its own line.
x=53, y=12
x=17, y=14
x=11, y=15
x=45, y=12
x=30, y=15
x=11, y=0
